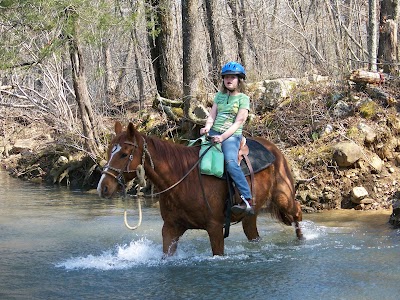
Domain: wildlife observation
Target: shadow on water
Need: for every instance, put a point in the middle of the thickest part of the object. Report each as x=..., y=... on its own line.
x=61, y=244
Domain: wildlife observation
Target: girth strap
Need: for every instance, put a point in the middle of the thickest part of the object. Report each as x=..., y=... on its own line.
x=253, y=190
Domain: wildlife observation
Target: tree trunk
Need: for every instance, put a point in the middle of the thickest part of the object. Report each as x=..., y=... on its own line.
x=122, y=72
x=139, y=75
x=215, y=41
x=238, y=21
x=163, y=54
x=108, y=75
x=388, y=48
x=91, y=140
x=372, y=35
x=191, y=66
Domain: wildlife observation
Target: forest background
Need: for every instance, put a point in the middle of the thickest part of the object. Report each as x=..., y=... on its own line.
x=79, y=65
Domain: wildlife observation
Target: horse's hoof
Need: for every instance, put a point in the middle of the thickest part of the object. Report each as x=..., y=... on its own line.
x=301, y=237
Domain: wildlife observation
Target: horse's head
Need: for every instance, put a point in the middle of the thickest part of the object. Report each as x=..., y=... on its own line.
x=124, y=155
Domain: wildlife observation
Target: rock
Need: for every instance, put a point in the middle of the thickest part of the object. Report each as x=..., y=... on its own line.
x=342, y=109
x=397, y=159
x=328, y=129
x=62, y=160
x=359, y=207
x=395, y=216
x=346, y=153
x=376, y=163
x=367, y=201
x=370, y=134
x=307, y=209
x=278, y=89
x=317, y=78
x=358, y=194
x=302, y=196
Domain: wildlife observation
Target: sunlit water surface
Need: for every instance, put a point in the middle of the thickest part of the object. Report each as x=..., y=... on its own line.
x=61, y=244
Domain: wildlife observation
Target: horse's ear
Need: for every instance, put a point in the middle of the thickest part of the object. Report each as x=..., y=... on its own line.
x=118, y=127
x=130, y=131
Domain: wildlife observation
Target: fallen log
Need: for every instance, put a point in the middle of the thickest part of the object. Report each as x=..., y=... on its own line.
x=362, y=76
x=167, y=102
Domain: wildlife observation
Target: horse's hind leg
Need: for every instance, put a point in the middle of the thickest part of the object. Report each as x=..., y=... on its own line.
x=249, y=224
x=287, y=210
x=297, y=218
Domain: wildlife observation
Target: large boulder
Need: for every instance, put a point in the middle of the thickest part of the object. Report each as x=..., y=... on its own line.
x=346, y=153
x=278, y=89
x=358, y=193
x=395, y=216
x=272, y=92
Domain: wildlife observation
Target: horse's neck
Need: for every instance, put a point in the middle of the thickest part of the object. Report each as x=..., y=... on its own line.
x=156, y=165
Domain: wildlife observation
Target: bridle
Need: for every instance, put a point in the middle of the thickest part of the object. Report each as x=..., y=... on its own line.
x=120, y=172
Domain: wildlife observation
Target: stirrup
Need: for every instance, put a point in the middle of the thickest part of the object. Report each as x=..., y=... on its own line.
x=240, y=208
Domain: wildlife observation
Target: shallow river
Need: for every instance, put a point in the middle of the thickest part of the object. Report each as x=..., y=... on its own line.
x=61, y=244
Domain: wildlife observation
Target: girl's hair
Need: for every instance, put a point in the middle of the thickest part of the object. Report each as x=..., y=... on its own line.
x=241, y=86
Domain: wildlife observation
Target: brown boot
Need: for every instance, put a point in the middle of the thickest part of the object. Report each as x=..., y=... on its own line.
x=243, y=207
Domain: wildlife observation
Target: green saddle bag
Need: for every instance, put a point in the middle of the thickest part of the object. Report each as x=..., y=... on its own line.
x=212, y=157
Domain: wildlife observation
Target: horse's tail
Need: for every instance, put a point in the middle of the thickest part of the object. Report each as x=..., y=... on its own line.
x=280, y=214
x=283, y=205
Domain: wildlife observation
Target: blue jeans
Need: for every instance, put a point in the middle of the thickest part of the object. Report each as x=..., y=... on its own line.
x=230, y=148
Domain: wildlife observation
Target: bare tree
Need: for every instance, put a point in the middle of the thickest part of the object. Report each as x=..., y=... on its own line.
x=388, y=51
x=216, y=46
x=89, y=127
x=191, y=67
x=238, y=20
x=162, y=39
x=372, y=34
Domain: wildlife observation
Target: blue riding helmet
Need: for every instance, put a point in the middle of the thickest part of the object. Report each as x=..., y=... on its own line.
x=234, y=68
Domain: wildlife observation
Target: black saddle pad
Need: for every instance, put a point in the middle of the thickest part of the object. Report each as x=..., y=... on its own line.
x=259, y=156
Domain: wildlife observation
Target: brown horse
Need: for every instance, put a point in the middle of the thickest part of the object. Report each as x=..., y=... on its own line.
x=188, y=205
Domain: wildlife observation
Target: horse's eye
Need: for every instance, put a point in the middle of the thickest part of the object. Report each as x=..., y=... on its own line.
x=123, y=155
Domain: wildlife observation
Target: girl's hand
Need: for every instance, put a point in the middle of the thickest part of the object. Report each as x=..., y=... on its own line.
x=204, y=130
x=218, y=139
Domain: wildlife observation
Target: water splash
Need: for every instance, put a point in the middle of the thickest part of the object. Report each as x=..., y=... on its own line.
x=311, y=231
x=142, y=251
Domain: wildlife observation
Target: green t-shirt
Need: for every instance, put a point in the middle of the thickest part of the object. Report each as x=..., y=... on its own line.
x=228, y=107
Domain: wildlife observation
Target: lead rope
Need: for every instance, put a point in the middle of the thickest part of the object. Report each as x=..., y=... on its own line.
x=140, y=173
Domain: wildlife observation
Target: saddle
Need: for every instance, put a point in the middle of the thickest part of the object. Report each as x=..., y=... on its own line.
x=254, y=157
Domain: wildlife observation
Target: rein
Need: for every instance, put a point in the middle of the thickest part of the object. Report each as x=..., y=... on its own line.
x=184, y=176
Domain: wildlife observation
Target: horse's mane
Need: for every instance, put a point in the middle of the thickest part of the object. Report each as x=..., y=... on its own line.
x=179, y=157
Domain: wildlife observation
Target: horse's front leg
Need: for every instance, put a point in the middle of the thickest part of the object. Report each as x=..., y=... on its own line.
x=249, y=224
x=171, y=235
x=216, y=235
